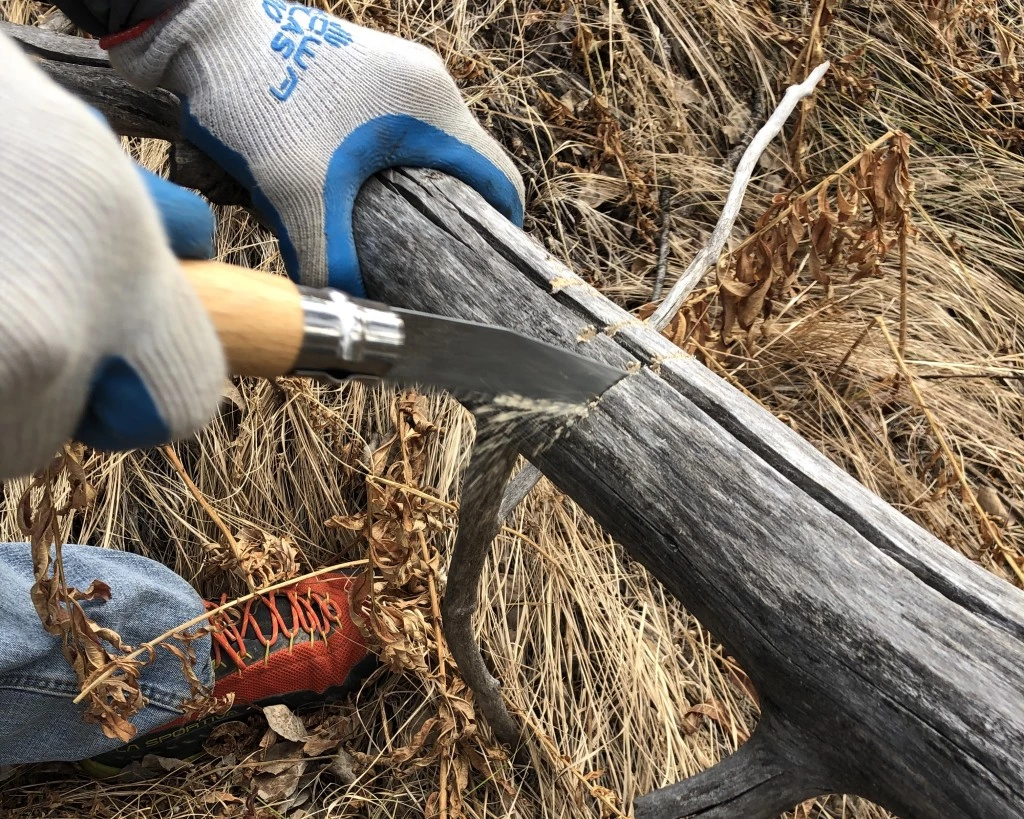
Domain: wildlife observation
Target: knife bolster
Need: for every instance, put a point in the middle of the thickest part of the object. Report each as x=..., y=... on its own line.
x=343, y=334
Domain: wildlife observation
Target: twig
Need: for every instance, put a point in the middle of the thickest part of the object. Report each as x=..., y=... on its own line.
x=744, y=170
x=989, y=529
x=662, y=265
x=435, y=610
x=236, y=551
x=993, y=376
x=904, y=280
x=152, y=644
x=757, y=103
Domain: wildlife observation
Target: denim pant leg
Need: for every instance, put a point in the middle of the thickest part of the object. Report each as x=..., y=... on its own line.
x=38, y=720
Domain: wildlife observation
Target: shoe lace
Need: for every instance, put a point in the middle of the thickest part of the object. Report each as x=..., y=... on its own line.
x=312, y=613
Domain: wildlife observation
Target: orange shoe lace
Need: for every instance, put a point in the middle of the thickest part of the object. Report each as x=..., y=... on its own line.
x=312, y=613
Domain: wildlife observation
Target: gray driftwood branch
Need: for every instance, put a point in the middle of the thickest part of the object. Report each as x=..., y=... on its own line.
x=479, y=523
x=731, y=210
x=886, y=664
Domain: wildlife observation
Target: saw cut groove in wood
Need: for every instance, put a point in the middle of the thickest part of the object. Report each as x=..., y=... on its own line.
x=886, y=665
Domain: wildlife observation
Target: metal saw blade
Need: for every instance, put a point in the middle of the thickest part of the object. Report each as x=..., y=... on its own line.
x=479, y=358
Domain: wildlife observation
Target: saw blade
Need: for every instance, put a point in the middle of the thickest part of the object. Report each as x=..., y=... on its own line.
x=480, y=358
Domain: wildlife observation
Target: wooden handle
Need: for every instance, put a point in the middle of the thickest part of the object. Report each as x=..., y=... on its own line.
x=258, y=316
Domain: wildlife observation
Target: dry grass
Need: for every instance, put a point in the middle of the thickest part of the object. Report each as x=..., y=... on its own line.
x=611, y=111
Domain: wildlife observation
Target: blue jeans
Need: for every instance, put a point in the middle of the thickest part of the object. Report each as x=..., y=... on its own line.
x=38, y=720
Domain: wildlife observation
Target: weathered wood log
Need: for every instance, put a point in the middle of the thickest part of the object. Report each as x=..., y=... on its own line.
x=886, y=664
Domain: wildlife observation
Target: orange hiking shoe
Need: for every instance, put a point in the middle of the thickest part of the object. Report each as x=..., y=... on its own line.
x=297, y=646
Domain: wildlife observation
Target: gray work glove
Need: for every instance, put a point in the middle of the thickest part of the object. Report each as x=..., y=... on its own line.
x=101, y=336
x=302, y=108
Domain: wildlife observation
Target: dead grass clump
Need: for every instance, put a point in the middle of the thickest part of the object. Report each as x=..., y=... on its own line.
x=624, y=118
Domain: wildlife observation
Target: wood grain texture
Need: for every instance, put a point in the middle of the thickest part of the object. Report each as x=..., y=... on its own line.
x=760, y=779
x=485, y=477
x=896, y=666
x=886, y=664
x=85, y=71
x=258, y=317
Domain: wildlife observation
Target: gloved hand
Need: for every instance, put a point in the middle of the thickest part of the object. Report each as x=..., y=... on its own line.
x=302, y=108
x=101, y=336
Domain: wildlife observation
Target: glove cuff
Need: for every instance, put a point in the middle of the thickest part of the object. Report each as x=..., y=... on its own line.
x=103, y=18
x=180, y=49
x=109, y=42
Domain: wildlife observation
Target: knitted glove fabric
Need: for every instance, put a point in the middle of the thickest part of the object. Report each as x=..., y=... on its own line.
x=101, y=336
x=302, y=108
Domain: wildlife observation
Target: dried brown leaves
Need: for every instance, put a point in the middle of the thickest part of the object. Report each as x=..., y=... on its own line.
x=257, y=556
x=87, y=646
x=848, y=225
x=972, y=37
x=291, y=755
x=90, y=649
x=396, y=603
x=391, y=600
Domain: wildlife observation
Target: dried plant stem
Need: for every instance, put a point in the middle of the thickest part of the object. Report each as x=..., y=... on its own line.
x=152, y=644
x=904, y=278
x=731, y=210
x=435, y=610
x=810, y=52
x=442, y=796
x=454, y=507
x=435, y=604
x=236, y=552
x=412, y=490
x=990, y=376
x=813, y=191
x=990, y=533
x=556, y=757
